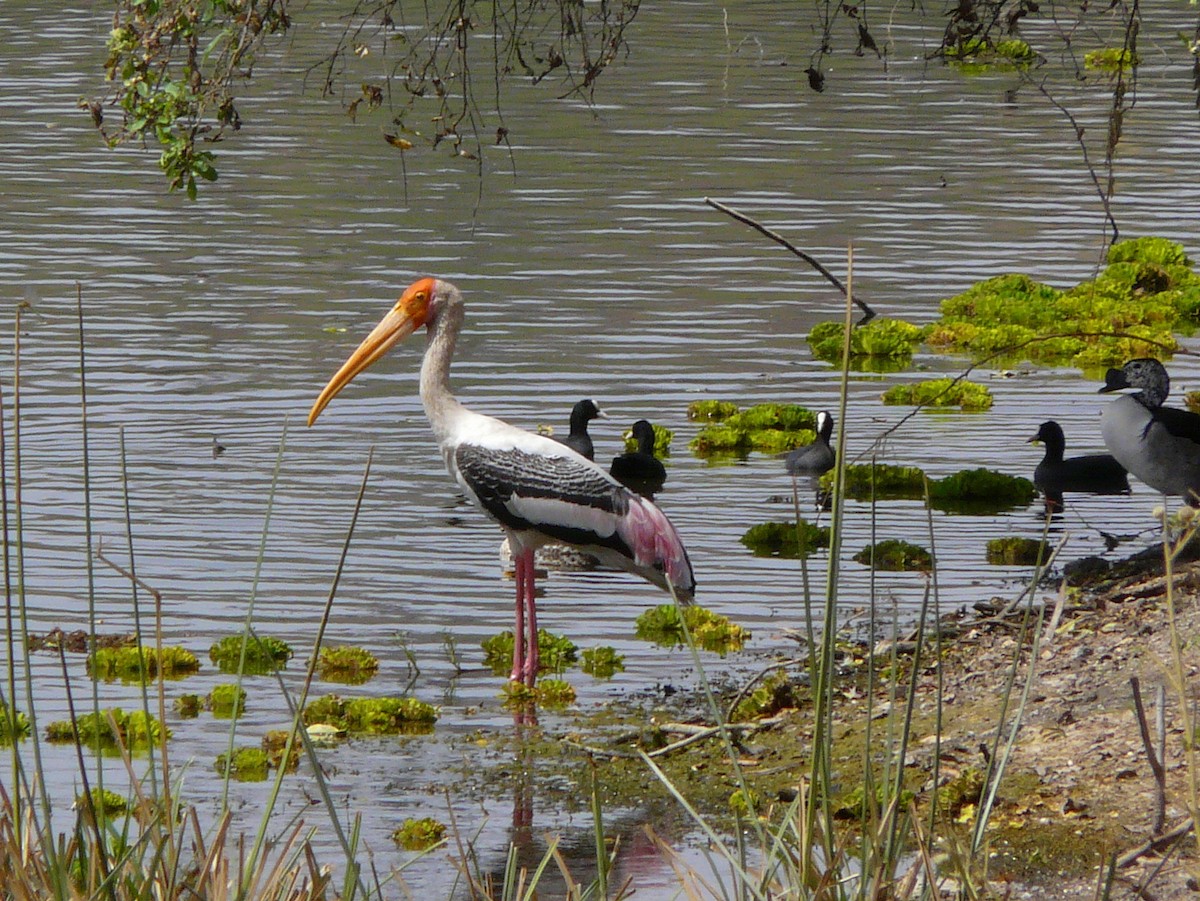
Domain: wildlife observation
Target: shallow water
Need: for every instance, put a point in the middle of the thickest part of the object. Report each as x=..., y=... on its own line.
x=591, y=267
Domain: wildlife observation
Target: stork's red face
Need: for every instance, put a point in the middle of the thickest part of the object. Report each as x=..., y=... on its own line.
x=411, y=312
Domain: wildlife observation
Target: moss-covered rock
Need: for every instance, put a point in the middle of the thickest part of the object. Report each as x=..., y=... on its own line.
x=664, y=626
x=264, y=654
x=227, y=701
x=133, y=664
x=785, y=539
x=554, y=693
x=767, y=428
x=1016, y=551
x=1147, y=291
x=14, y=725
x=602, y=662
x=371, y=716
x=1111, y=60
x=556, y=653
x=980, y=491
x=945, y=392
x=274, y=743
x=347, y=664
x=247, y=764
x=895, y=555
x=879, y=481
x=110, y=728
x=711, y=410
x=771, y=695
x=419, y=835
x=880, y=338
x=104, y=801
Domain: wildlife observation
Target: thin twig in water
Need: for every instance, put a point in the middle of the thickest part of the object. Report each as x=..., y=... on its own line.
x=868, y=313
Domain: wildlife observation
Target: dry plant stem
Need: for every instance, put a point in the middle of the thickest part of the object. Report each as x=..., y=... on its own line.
x=89, y=568
x=1177, y=671
x=1156, y=844
x=1156, y=767
x=868, y=313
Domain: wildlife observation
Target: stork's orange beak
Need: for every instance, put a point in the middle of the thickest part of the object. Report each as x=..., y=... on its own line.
x=410, y=312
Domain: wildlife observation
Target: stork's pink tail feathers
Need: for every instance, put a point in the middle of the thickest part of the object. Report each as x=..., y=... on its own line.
x=658, y=551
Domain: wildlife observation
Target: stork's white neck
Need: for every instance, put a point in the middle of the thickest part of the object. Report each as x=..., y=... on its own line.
x=441, y=406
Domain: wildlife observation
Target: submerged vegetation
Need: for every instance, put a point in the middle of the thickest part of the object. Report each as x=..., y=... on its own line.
x=251, y=654
x=879, y=481
x=1016, y=551
x=557, y=653
x=944, y=392
x=134, y=664
x=789, y=540
x=346, y=664
x=895, y=555
x=371, y=716
x=668, y=625
x=768, y=428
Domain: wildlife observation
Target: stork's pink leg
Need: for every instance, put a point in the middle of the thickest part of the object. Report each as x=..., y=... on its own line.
x=533, y=658
x=520, y=564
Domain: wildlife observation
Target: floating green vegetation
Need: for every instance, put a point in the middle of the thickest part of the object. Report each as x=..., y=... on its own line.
x=556, y=653
x=264, y=654
x=745, y=802
x=188, y=706
x=711, y=410
x=419, y=835
x=769, y=428
x=1111, y=60
x=662, y=441
x=133, y=664
x=372, y=716
x=274, y=743
x=555, y=693
x=347, y=664
x=602, y=662
x=895, y=555
x=1147, y=291
x=772, y=694
x=110, y=728
x=104, y=801
x=880, y=481
x=13, y=727
x=1192, y=399
x=246, y=765
x=711, y=631
x=227, y=701
x=892, y=339
x=1014, y=551
x=978, y=55
x=785, y=539
x=980, y=491
x=944, y=392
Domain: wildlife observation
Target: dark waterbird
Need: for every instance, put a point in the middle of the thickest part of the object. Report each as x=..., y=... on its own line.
x=1095, y=473
x=538, y=490
x=579, y=440
x=640, y=470
x=818, y=457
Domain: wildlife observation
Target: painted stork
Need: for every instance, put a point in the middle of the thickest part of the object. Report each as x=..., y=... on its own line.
x=535, y=488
